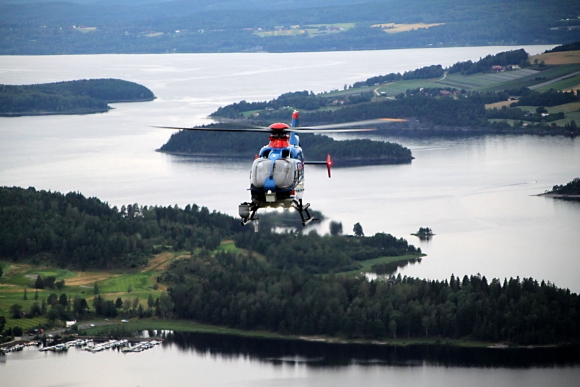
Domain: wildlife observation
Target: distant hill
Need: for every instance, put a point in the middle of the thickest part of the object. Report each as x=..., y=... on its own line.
x=83, y=26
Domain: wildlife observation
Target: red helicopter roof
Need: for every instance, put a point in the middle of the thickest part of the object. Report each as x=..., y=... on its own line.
x=279, y=126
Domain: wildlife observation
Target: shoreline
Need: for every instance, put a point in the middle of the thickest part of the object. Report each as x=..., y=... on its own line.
x=575, y=198
x=194, y=327
x=70, y=112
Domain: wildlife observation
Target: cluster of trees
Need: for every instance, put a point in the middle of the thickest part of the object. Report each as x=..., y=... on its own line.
x=63, y=308
x=566, y=47
x=49, y=282
x=547, y=98
x=247, y=293
x=521, y=115
x=571, y=188
x=298, y=100
x=74, y=231
x=515, y=57
x=316, y=147
x=424, y=231
x=316, y=254
x=81, y=96
x=437, y=111
x=160, y=307
x=53, y=307
x=427, y=72
x=281, y=107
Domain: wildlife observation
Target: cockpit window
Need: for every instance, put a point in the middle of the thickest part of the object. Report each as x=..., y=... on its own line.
x=260, y=172
x=283, y=174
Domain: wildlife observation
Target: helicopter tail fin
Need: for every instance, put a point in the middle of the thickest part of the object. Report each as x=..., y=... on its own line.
x=295, y=119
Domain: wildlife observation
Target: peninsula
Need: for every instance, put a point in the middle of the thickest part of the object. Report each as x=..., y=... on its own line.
x=71, y=97
x=68, y=257
x=510, y=92
x=570, y=191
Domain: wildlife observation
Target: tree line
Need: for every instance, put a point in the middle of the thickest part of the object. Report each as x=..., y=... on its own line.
x=71, y=230
x=571, y=188
x=248, y=293
x=547, y=98
x=80, y=96
x=515, y=57
x=316, y=254
x=303, y=100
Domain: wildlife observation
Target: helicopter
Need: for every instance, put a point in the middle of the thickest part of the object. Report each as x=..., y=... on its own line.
x=277, y=173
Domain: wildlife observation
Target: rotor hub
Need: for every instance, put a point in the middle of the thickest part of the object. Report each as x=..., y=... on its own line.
x=279, y=127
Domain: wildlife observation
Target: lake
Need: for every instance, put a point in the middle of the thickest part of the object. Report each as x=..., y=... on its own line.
x=214, y=360
x=478, y=194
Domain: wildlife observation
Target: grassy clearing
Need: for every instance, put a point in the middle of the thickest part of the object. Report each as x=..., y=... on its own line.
x=484, y=81
x=394, y=28
x=499, y=105
x=230, y=246
x=394, y=88
x=566, y=108
x=311, y=30
x=557, y=58
x=134, y=284
x=568, y=83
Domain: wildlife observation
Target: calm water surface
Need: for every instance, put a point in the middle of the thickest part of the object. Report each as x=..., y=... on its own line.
x=213, y=360
x=477, y=194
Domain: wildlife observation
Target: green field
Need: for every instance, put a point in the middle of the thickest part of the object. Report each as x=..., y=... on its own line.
x=134, y=284
x=567, y=83
x=311, y=30
x=485, y=81
x=394, y=88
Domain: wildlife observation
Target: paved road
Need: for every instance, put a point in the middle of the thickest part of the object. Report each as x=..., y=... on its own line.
x=553, y=81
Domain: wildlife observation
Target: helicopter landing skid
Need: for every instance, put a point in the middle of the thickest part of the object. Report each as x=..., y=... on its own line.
x=302, y=209
x=248, y=212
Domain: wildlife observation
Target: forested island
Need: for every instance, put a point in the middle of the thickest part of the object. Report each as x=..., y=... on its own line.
x=70, y=97
x=203, y=267
x=504, y=93
x=316, y=147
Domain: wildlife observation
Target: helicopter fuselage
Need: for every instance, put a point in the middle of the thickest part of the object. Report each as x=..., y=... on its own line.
x=277, y=174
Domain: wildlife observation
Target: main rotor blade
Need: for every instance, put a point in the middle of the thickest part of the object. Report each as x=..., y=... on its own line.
x=213, y=129
x=311, y=130
x=235, y=122
x=349, y=125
